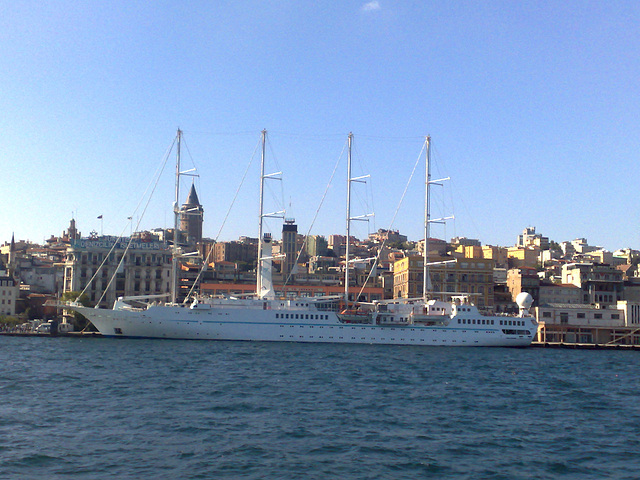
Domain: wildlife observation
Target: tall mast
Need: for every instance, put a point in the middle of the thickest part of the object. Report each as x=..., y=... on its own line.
x=346, y=255
x=427, y=179
x=259, y=266
x=176, y=211
x=364, y=218
x=427, y=219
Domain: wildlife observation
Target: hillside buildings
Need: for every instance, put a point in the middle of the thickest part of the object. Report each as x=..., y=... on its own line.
x=576, y=287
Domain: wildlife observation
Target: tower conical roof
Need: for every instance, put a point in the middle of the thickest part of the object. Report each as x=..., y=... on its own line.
x=192, y=199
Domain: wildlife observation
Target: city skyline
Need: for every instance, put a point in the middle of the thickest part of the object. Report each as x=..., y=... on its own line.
x=532, y=110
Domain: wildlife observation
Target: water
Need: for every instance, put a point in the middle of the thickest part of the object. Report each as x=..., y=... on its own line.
x=131, y=409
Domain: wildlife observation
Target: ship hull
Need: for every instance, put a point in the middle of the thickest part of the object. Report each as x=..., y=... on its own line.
x=308, y=327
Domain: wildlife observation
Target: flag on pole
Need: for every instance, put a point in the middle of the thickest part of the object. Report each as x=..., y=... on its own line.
x=100, y=217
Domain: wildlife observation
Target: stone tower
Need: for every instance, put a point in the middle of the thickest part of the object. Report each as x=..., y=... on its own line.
x=289, y=237
x=191, y=217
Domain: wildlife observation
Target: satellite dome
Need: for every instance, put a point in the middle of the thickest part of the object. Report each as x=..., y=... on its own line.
x=524, y=300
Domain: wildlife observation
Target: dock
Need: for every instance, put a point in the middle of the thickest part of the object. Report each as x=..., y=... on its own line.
x=585, y=346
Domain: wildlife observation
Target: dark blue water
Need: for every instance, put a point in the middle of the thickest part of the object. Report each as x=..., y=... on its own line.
x=132, y=409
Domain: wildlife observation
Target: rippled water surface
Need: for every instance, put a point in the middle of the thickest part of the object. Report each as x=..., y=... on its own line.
x=132, y=409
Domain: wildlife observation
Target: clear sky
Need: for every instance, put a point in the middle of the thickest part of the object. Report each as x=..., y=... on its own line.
x=533, y=108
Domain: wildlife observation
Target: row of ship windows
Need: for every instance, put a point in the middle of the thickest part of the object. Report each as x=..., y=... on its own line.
x=379, y=339
x=352, y=328
x=302, y=316
x=485, y=321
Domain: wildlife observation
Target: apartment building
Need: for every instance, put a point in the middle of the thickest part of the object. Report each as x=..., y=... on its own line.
x=472, y=276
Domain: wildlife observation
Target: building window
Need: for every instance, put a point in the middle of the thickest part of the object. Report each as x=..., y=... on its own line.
x=581, y=315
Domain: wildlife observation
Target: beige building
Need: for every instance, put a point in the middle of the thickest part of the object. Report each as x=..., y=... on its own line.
x=523, y=257
x=559, y=293
x=8, y=295
x=600, y=283
x=91, y=264
x=591, y=324
x=464, y=275
x=235, y=251
x=524, y=279
x=498, y=254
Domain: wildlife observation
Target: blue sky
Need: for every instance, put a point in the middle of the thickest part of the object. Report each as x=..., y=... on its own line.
x=533, y=108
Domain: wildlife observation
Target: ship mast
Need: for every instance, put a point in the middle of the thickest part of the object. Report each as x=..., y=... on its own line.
x=176, y=212
x=427, y=178
x=346, y=254
x=260, y=217
x=264, y=286
x=350, y=180
x=427, y=219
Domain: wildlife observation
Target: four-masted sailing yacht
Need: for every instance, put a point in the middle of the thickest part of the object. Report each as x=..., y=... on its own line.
x=266, y=317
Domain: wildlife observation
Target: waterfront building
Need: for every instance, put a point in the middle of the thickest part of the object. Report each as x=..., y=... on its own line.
x=91, y=264
x=592, y=324
x=588, y=324
x=9, y=291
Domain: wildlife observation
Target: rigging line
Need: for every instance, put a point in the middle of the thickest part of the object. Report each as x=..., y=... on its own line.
x=315, y=217
x=184, y=143
x=357, y=193
x=224, y=221
x=273, y=154
x=325, y=136
x=364, y=200
x=235, y=196
x=386, y=138
x=157, y=176
x=126, y=250
x=113, y=247
x=241, y=133
x=393, y=219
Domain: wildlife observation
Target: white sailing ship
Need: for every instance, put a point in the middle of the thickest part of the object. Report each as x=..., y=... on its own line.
x=265, y=317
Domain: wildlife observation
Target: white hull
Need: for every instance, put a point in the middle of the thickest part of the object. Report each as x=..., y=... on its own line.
x=219, y=322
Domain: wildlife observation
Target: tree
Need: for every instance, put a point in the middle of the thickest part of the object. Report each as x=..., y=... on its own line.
x=554, y=246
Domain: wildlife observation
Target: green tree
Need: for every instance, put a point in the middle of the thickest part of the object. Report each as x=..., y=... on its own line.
x=9, y=320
